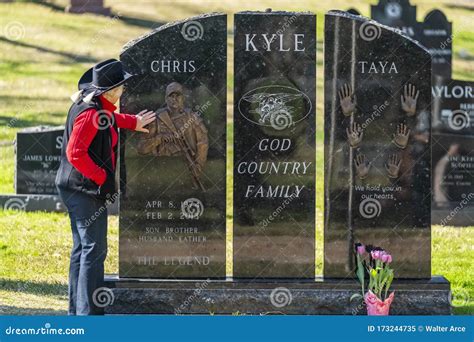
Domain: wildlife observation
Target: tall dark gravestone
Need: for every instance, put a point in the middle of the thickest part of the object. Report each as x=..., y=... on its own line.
x=453, y=152
x=165, y=208
x=377, y=146
x=434, y=33
x=173, y=209
x=38, y=152
x=274, y=152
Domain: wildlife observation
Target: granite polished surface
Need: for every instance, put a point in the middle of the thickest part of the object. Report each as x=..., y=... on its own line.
x=377, y=146
x=173, y=209
x=274, y=151
x=38, y=155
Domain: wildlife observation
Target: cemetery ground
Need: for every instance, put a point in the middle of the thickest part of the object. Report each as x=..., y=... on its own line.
x=43, y=52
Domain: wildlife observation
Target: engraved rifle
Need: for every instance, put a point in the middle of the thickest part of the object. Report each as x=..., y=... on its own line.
x=185, y=148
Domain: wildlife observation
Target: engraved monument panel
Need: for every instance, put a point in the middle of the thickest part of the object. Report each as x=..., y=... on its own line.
x=172, y=212
x=377, y=145
x=274, y=152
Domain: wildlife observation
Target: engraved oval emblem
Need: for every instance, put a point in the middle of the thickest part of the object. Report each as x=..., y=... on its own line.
x=276, y=106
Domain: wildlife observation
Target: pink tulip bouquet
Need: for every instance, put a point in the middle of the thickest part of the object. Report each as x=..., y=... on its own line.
x=374, y=264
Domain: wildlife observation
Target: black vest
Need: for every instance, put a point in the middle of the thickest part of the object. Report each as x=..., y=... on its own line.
x=99, y=151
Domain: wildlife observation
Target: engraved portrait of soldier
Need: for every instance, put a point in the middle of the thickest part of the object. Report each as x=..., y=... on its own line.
x=177, y=131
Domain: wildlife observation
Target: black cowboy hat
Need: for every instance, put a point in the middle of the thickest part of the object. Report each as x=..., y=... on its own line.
x=102, y=77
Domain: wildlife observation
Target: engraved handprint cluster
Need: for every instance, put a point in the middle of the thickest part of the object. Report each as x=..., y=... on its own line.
x=409, y=98
x=348, y=100
x=355, y=132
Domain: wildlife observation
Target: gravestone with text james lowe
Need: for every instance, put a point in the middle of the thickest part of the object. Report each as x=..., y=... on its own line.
x=172, y=215
x=38, y=152
x=274, y=153
x=377, y=146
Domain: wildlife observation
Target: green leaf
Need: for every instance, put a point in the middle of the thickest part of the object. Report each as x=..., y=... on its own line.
x=356, y=295
x=389, y=281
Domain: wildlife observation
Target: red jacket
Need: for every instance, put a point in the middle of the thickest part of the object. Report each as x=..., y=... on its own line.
x=84, y=131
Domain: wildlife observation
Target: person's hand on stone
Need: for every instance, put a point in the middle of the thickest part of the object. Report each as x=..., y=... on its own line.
x=362, y=166
x=354, y=134
x=409, y=98
x=144, y=118
x=348, y=100
x=393, y=166
x=401, y=137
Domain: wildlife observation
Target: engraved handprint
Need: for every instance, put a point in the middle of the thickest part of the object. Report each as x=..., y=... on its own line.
x=401, y=137
x=362, y=166
x=354, y=134
x=348, y=100
x=409, y=98
x=393, y=166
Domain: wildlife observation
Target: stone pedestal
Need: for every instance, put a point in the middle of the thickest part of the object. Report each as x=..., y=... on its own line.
x=36, y=202
x=310, y=297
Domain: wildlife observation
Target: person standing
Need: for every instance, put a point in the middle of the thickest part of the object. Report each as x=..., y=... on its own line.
x=86, y=176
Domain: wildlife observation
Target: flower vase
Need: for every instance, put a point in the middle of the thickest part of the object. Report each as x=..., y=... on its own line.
x=377, y=307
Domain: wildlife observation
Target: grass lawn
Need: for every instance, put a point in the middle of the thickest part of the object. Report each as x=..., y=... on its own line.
x=43, y=52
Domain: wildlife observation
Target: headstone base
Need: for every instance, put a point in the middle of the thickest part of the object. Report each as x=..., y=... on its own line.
x=319, y=297
x=47, y=203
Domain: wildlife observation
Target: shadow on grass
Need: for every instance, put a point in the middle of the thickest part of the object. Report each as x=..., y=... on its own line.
x=145, y=23
x=13, y=122
x=461, y=7
x=76, y=58
x=467, y=309
x=50, y=4
x=33, y=287
x=465, y=58
x=17, y=311
x=140, y=22
x=192, y=8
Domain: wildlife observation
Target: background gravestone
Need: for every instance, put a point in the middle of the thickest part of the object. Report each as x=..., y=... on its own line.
x=172, y=215
x=353, y=11
x=274, y=155
x=434, y=33
x=38, y=153
x=453, y=152
x=377, y=146
x=88, y=6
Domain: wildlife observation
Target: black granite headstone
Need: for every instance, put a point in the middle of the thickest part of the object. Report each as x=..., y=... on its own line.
x=377, y=146
x=172, y=215
x=38, y=152
x=274, y=153
x=453, y=152
x=399, y=14
x=434, y=33
x=453, y=106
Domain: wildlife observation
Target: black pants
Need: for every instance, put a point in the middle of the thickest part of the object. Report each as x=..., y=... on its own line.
x=89, y=235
